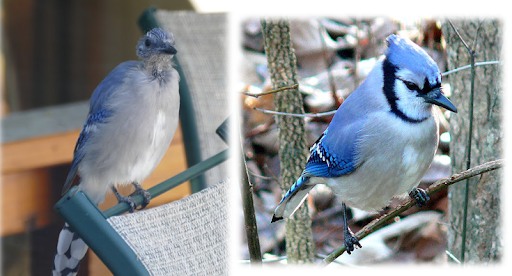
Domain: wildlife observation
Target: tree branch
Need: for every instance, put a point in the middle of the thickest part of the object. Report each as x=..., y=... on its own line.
x=284, y=88
x=328, y=113
x=483, y=63
x=251, y=227
x=434, y=188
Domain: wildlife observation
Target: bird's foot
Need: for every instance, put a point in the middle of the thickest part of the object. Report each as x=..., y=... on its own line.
x=121, y=198
x=419, y=196
x=144, y=193
x=351, y=241
x=274, y=218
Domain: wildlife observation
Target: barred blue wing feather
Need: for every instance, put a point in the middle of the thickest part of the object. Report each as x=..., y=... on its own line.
x=323, y=163
x=334, y=154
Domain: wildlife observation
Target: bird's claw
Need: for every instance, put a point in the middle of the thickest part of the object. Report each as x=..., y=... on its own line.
x=145, y=195
x=129, y=201
x=419, y=196
x=351, y=241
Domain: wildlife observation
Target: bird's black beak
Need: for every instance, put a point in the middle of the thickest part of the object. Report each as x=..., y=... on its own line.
x=170, y=50
x=436, y=97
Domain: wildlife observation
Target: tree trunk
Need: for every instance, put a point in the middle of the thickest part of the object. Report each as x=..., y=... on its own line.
x=483, y=230
x=292, y=140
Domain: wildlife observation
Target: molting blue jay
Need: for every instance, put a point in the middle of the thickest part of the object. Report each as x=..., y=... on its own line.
x=381, y=140
x=132, y=119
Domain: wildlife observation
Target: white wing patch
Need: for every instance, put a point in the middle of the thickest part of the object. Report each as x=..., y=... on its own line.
x=320, y=154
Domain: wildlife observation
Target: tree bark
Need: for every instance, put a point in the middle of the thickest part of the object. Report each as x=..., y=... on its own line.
x=483, y=230
x=292, y=140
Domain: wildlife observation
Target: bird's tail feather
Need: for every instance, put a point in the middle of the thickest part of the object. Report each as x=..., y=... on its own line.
x=293, y=199
x=70, y=250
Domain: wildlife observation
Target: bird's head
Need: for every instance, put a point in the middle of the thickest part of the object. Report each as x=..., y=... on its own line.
x=412, y=81
x=156, y=42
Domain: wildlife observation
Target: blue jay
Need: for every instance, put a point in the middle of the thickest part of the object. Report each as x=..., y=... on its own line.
x=132, y=119
x=381, y=140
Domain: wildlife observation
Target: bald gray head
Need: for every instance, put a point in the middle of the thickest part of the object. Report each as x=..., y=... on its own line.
x=156, y=42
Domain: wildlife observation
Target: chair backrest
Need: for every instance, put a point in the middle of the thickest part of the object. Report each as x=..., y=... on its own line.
x=201, y=41
x=184, y=237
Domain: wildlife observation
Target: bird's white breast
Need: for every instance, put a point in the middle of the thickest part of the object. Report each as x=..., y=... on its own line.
x=410, y=157
x=149, y=158
x=160, y=126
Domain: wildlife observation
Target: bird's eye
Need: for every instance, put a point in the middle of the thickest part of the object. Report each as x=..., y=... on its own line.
x=411, y=86
x=147, y=42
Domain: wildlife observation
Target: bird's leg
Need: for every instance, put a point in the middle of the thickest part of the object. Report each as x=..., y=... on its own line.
x=127, y=199
x=350, y=239
x=141, y=191
x=419, y=196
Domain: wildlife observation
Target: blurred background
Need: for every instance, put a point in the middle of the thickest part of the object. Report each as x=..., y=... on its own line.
x=54, y=54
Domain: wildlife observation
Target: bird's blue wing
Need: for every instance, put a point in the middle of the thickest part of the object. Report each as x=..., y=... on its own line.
x=99, y=112
x=335, y=152
x=93, y=120
x=112, y=82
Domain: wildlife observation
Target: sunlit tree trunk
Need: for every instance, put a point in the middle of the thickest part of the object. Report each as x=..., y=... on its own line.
x=484, y=228
x=292, y=140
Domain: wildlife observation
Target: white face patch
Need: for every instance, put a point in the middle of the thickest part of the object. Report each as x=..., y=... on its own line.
x=408, y=101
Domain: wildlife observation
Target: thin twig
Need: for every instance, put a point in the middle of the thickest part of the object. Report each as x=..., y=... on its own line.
x=272, y=174
x=260, y=129
x=315, y=115
x=251, y=228
x=434, y=188
x=449, y=254
x=323, y=256
x=259, y=175
x=483, y=63
x=257, y=95
x=274, y=260
x=460, y=37
x=472, y=54
x=330, y=77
